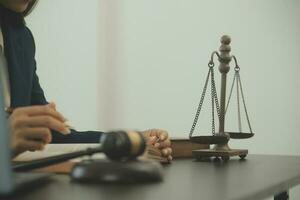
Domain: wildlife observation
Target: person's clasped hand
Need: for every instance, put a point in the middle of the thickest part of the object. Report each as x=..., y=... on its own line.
x=160, y=139
x=30, y=127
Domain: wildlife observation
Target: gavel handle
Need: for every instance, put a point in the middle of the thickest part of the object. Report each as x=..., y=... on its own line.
x=38, y=163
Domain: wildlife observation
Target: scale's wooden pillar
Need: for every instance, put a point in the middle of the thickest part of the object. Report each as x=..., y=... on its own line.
x=224, y=68
x=224, y=59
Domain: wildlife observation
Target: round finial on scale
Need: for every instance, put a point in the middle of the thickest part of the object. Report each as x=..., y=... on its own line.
x=225, y=39
x=225, y=56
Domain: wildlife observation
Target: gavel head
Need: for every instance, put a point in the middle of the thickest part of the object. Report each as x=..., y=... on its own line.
x=123, y=145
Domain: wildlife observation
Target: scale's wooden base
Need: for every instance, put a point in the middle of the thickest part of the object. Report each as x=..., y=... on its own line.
x=223, y=154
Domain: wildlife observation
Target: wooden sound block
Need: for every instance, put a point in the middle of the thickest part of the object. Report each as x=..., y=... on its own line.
x=105, y=171
x=223, y=154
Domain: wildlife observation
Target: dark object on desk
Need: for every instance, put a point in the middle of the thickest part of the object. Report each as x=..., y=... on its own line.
x=30, y=180
x=101, y=171
x=220, y=106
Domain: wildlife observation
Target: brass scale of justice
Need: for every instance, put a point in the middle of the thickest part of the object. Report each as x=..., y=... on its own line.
x=220, y=149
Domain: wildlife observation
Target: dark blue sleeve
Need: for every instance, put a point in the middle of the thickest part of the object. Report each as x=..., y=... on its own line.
x=38, y=98
x=76, y=137
x=37, y=93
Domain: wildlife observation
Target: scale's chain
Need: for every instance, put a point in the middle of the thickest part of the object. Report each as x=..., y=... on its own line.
x=238, y=102
x=243, y=98
x=230, y=94
x=212, y=104
x=200, y=105
x=214, y=100
x=213, y=85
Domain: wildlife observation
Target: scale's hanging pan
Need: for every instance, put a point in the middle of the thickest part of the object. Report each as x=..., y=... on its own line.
x=223, y=139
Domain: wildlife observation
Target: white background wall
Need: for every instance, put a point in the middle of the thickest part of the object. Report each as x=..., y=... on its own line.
x=142, y=64
x=68, y=41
